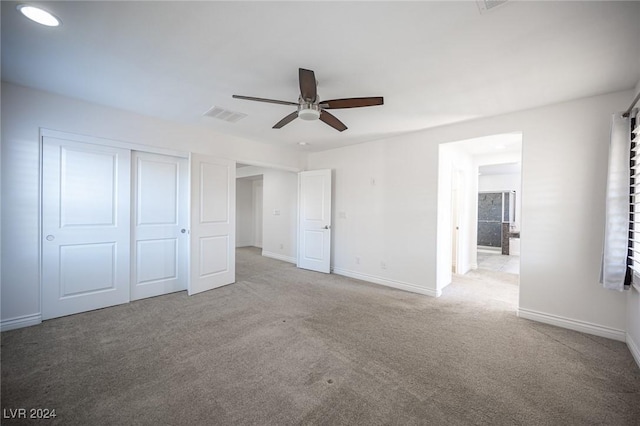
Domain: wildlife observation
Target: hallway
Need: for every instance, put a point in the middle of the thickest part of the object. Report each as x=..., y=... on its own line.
x=499, y=262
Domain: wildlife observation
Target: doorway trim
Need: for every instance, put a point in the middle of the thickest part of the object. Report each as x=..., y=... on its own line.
x=501, y=146
x=109, y=142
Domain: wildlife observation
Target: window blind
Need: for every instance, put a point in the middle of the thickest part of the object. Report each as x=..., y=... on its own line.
x=633, y=272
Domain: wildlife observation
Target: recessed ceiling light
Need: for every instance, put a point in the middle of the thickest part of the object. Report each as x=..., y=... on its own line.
x=303, y=143
x=38, y=15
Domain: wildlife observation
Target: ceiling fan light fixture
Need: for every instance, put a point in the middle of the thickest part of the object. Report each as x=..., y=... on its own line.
x=39, y=15
x=309, y=114
x=308, y=110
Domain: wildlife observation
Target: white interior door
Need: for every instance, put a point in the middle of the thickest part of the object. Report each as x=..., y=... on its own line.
x=85, y=226
x=314, y=210
x=455, y=222
x=213, y=215
x=454, y=231
x=160, y=215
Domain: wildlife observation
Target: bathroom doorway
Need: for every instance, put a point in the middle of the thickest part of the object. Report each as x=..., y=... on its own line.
x=480, y=197
x=498, y=231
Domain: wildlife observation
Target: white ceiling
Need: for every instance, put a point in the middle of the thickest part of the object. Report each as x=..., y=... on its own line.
x=434, y=62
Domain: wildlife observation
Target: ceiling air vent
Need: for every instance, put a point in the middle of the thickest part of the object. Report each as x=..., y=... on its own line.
x=487, y=5
x=225, y=114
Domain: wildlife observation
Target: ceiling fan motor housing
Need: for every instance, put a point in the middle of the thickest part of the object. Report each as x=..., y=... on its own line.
x=309, y=111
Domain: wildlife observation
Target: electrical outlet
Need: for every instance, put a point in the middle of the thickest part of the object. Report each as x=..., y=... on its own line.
x=276, y=212
x=357, y=260
x=342, y=215
x=281, y=246
x=383, y=265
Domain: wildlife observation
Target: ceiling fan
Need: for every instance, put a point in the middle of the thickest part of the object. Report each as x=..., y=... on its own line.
x=311, y=108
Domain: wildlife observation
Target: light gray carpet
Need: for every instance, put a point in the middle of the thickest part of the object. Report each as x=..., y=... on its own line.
x=286, y=346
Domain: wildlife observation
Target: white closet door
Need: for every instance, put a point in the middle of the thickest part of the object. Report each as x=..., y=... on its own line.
x=314, y=228
x=160, y=215
x=213, y=223
x=85, y=226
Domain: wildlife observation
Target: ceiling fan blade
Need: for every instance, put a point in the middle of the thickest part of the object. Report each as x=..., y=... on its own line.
x=352, y=102
x=332, y=121
x=271, y=101
x=288, y=119
x=308, y=88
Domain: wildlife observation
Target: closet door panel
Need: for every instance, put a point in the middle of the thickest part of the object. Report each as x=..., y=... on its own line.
x=85, y=226
x=160, y=211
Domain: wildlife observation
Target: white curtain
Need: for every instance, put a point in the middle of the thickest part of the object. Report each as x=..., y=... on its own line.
x=614, y=259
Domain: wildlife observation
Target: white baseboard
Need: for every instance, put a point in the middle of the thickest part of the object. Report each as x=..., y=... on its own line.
x=387, y=282
x=20, y=322
x=633, y=347
x=279, y=256
x=572, y=324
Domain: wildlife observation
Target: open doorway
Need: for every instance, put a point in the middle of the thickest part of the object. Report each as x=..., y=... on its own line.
x=499, y=206
x=249, y=209
x=266, y=212
x=479, y=204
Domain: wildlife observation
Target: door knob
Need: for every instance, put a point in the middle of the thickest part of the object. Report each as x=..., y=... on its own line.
x=50, y=237
x=326, y=227
x=183, y=230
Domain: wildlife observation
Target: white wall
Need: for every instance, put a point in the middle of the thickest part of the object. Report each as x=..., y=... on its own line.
x=564, y=165
x=499, y=182
x=24, y=111
x=633, y=301
x=244, y=212
x=384, y=211
x=258, y=216
x=280, y=207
